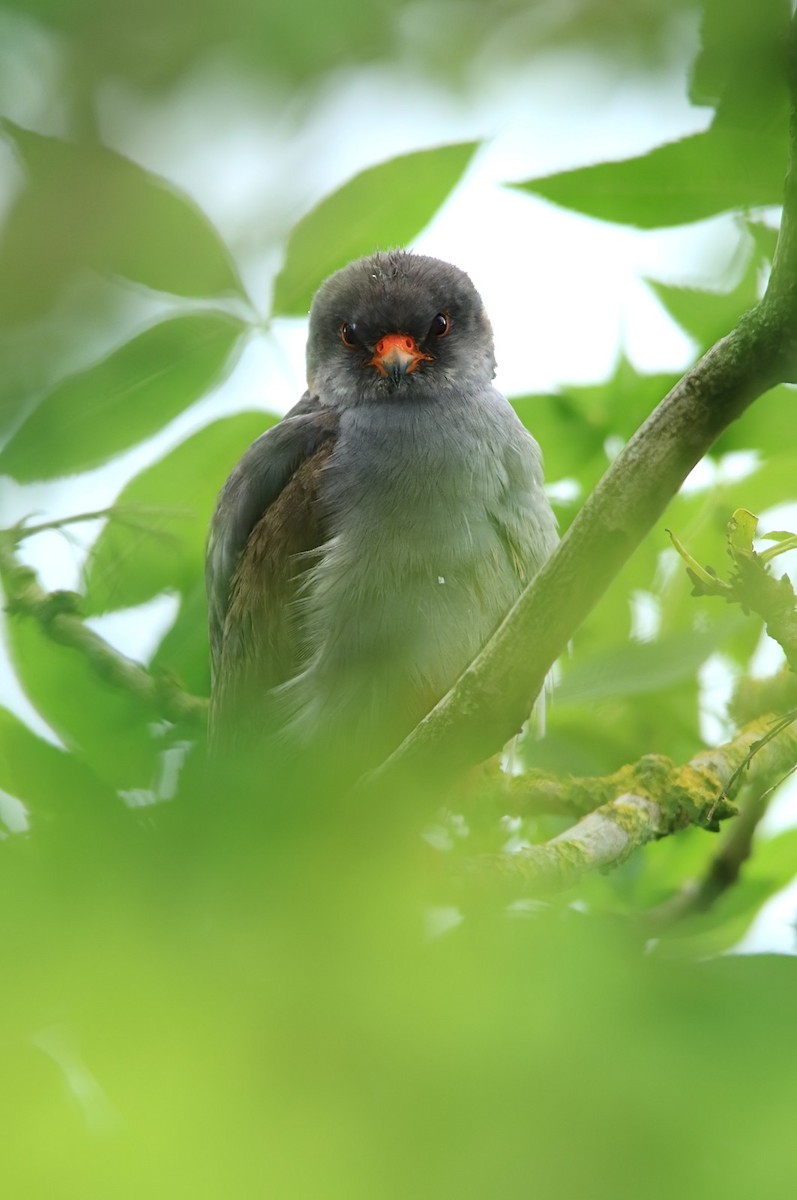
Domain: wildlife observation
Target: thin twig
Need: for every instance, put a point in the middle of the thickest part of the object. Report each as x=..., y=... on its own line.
x=124, y=514
x=57, y=615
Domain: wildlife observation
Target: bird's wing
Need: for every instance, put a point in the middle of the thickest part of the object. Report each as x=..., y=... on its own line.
x=273, y=471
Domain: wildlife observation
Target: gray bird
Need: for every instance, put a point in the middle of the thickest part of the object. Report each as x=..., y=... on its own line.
x=364, y=549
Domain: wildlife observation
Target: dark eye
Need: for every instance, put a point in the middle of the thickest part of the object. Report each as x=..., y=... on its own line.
x=347, y=335
x=440, y=325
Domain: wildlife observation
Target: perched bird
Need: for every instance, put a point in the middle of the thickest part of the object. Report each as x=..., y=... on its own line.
x=364, y=549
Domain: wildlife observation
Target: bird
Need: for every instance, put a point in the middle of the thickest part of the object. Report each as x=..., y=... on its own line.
x=364, y=548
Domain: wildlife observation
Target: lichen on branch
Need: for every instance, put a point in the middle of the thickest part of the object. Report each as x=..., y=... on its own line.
x=651, y=799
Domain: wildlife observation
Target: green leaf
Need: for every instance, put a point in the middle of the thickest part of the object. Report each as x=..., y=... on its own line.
x=741, y=68
x=184, y=651
x=382, y=207
x=777, y=535
x=772, y=866
x=84, y=206
x=707, y=316
x=106, y=728
x=122, y=399
x=164, y=550
x=573, y=427
x=49, y=781
x=765, y=238
x=762, y=427
x=696, y=177
x=638, y=668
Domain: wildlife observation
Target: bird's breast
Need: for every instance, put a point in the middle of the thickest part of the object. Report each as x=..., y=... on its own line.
x=415, y=572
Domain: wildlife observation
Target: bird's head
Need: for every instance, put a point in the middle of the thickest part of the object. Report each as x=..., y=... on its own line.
x=397, y=325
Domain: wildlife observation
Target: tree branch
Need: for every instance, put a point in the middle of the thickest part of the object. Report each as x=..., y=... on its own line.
x=696, y=896
x=57, y=615
x=694, y=784
x=672, y=798
x=122, y=513
x=492, y=698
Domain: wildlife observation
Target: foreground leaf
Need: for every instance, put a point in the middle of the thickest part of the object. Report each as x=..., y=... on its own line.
x=105, y=728
x=50, y=782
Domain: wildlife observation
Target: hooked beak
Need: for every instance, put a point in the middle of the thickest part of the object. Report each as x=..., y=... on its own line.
x=396, y=355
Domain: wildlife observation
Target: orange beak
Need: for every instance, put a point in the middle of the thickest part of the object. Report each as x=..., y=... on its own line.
x=396, y=355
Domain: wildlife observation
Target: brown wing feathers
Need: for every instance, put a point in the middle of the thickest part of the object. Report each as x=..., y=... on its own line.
x=261, y=647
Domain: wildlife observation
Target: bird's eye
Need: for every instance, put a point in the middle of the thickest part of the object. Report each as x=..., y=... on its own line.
x=347, y=335
x=440, y=325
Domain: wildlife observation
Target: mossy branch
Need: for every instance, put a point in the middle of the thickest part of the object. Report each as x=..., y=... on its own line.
x=651, y=799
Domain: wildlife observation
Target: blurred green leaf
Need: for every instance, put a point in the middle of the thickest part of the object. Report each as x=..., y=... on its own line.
x=742, y=65
x=709, y=315
x=124, y=398
x=107, y=729
x=87, y=206
x=639, y=668
x=577, y=427
x=164, y=551
x=184, y=651
x=772, y=866
x=697, y=177
x=155, y=45
x=765, y=238
x=762, y=428
x=50, y=782
x=382, y=207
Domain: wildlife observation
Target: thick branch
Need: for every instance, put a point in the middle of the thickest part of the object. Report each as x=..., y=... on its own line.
x=490, y=701
x=674, y=798
x=57, y=616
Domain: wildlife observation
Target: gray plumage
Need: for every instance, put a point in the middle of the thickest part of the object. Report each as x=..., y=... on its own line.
x=365, y=548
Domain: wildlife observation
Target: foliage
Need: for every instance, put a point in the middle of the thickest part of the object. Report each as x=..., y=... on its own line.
x=219, y=982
